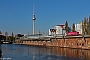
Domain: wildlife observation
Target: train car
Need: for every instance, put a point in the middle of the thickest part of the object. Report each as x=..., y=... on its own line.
x=72, y=34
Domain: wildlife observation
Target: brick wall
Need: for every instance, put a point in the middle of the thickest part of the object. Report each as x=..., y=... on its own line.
x=60, y=42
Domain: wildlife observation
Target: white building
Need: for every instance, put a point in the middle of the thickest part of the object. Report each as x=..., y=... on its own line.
x=78, y=27
x=52, y=31
x=59, y=30
x=49, y=32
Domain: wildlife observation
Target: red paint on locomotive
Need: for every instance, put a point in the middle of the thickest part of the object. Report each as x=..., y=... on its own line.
x=72, y=33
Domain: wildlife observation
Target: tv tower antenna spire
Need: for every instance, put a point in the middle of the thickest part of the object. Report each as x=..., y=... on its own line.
x=34, y=18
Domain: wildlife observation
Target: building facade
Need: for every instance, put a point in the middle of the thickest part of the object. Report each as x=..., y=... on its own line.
x=52, y=32
x=58, y=30
x=78, y=28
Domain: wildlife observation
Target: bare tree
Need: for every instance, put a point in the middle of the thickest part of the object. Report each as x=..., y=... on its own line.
x=88, y=26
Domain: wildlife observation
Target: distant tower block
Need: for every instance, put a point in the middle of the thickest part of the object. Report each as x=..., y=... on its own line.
x=34, y=18
x=6, y=33
x=12, y=34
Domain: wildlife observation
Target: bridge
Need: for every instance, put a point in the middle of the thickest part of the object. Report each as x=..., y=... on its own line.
x=46, y=37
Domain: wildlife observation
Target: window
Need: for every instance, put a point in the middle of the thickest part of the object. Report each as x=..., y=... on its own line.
x=77, y=44
x=82, y=44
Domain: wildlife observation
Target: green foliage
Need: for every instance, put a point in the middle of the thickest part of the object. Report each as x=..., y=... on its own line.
x=84, y=26
x=66, y=27
x=88, y=27
x=85, y=23
x=73, y=27
x=10, y=38
x=66, y=24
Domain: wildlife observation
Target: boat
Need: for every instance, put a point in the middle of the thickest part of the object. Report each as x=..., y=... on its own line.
x=6, y=42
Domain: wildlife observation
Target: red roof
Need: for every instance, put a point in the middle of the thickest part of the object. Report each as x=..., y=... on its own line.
x=60, y=25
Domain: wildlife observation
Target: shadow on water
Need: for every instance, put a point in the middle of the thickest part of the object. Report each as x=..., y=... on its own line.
x=24, y=52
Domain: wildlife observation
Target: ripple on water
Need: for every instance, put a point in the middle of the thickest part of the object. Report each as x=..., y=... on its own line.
x=23, y=52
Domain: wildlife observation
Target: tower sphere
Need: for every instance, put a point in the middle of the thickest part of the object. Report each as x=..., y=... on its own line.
x=34, y=18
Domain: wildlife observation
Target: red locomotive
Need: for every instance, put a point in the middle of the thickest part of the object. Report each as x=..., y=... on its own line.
x=72, y=33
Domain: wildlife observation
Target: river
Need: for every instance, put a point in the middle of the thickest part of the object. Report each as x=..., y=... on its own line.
x=25, y=52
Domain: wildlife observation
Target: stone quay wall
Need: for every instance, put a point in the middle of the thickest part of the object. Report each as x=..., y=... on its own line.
x=70, y=42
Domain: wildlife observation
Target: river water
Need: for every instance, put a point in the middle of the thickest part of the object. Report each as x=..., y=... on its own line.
x=25, y=52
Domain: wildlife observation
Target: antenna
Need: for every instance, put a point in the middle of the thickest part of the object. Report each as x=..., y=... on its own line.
x=33, y=8
x=34, y=18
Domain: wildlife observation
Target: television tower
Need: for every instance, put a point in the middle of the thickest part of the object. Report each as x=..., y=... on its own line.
x=34, y=18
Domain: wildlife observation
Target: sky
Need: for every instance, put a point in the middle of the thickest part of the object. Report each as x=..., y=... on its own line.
x=16, y=15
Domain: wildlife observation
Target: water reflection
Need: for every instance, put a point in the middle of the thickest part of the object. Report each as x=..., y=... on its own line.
x=23, y=52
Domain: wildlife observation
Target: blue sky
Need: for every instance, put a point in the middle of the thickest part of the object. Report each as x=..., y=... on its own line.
x=16, y=15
